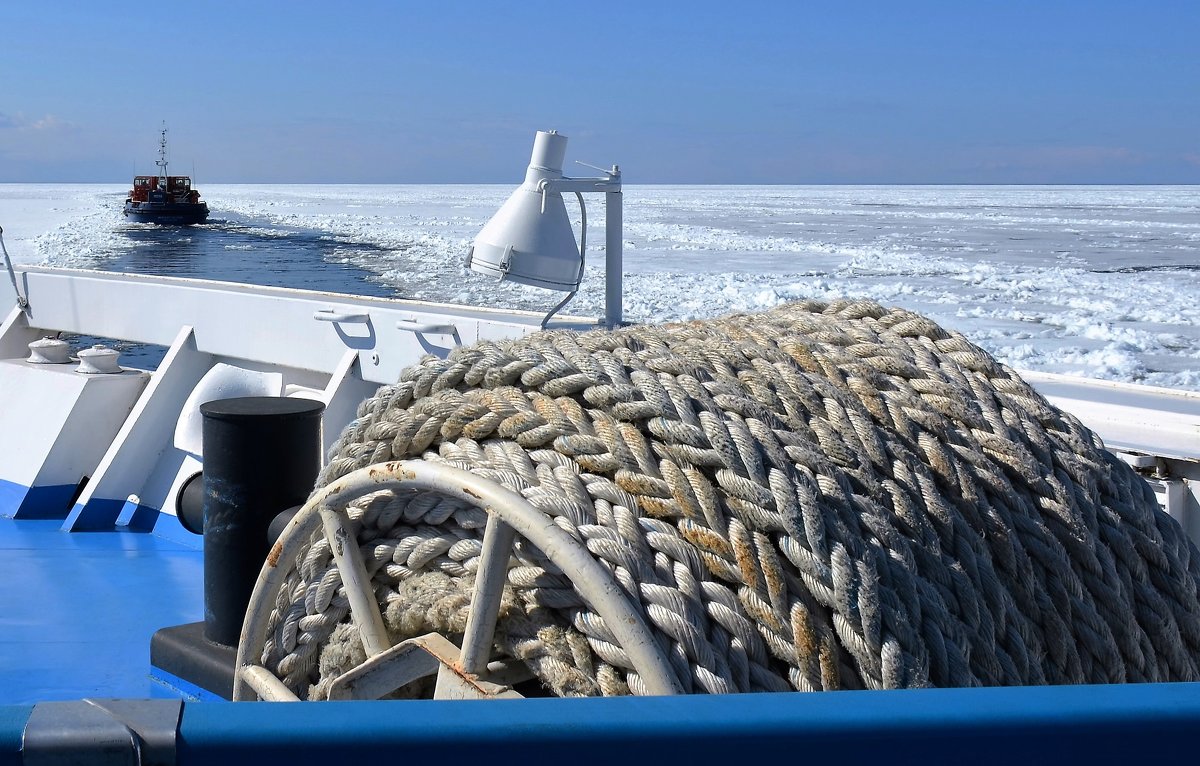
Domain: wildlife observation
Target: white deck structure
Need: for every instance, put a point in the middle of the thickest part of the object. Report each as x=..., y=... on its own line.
x=338, y=349
x=335, y=348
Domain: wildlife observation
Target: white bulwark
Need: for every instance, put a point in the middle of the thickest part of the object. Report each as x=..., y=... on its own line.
x=130, y=453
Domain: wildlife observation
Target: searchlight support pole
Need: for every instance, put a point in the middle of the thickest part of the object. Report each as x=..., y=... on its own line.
x=613, y=253
x=613, y=234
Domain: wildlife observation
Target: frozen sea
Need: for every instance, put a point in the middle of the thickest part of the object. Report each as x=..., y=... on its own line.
x=1098, y=281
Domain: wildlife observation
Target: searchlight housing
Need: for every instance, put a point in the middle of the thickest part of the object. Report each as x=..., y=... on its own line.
x=530, y=241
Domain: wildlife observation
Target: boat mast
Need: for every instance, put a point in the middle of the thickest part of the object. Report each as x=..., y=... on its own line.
x=162, y=156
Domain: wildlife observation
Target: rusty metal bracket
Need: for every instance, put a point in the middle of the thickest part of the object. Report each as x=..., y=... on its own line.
x=411, y=660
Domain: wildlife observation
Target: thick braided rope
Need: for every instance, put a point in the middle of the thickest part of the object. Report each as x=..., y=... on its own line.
x=821, y=496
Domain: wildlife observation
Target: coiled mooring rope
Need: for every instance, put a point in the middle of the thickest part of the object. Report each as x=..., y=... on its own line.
x=821, y=496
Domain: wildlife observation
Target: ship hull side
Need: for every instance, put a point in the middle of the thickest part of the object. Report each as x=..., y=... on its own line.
x=171, y=214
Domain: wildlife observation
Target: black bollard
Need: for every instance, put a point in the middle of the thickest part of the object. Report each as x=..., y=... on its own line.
x=189, y=504
x=261, y=456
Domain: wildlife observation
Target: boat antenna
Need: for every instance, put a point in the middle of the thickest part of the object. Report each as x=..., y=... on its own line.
x=162, y=154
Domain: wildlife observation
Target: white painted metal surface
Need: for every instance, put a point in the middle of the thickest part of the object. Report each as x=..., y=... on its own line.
x=49, y=351
x=222, y=381
x=1128, y=417
x=1155, y=430
x=99, y=360
x=267, y=686
x=285, y=333
x=408, y=661
x=529, y=240
x=57, y=425
x=336, y=348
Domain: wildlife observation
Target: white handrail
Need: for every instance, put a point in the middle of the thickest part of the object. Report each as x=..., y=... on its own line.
x=332, y=315
x=435, y=328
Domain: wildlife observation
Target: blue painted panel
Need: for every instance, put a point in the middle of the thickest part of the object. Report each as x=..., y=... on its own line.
x=41, y=502
x=103, y=514
x=97, y=515
x=183, y=689
x=77, y=610
x=12, y=727
x=168, y=527
x=11, y=495
x=1145, y=723
x=137, y=517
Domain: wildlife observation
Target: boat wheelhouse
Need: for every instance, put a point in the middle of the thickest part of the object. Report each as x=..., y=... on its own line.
x=165, y=199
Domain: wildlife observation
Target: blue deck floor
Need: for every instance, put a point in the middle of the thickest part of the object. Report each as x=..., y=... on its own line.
x=77, y=609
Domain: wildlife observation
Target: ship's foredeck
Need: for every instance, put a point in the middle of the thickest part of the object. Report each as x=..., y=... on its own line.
x=77, y=610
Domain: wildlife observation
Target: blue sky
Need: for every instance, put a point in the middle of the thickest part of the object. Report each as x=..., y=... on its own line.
x=736, y=91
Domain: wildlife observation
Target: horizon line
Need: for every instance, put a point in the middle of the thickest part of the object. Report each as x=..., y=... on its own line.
x=516, y=183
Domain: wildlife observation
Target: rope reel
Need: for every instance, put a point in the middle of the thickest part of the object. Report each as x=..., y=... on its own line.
x=822, y=496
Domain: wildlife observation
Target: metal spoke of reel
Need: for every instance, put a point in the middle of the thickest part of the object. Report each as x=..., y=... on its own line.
x=461, y=672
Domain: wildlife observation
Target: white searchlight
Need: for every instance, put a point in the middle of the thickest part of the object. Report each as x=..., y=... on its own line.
x=529, y=240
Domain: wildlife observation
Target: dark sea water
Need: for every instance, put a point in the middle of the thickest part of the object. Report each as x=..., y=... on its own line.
x=249, y=252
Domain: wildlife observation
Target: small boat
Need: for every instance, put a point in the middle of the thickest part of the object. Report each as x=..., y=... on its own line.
x=165, y=199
